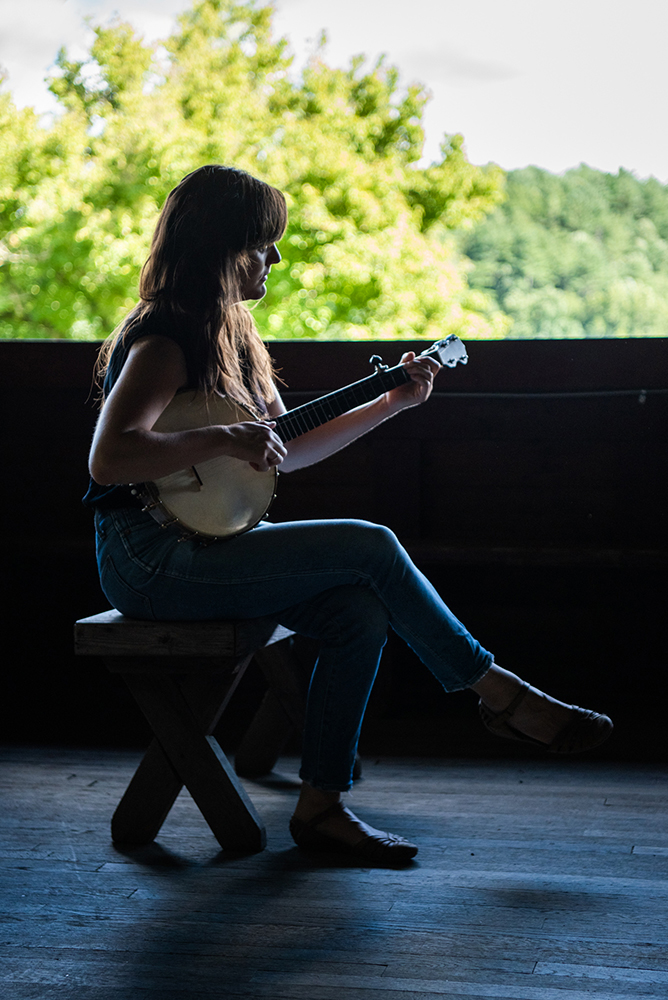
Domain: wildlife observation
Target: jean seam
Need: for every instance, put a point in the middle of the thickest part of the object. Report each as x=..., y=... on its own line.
x=325, y=713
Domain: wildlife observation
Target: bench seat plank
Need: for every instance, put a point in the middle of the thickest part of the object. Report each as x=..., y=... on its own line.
x=112, y=634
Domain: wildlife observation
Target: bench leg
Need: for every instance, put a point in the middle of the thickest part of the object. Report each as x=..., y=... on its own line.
x=285, y=679
x=147, y=799
x=264, y=740
x=196, y=760
x=281, y=712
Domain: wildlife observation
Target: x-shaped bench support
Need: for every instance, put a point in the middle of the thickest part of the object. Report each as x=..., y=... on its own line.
x=182, y=676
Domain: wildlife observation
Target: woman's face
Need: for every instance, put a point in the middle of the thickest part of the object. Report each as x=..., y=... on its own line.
x=253, y=279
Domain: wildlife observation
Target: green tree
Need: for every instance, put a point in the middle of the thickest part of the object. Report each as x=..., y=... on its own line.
x=581, y=255
x=370, y=251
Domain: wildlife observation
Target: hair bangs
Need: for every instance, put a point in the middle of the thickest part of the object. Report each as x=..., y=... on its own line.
x=270, y=220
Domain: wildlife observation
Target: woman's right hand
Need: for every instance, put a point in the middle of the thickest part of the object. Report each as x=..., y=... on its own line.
x=256, y=443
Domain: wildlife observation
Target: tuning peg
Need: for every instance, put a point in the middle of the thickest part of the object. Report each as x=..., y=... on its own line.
x=377, y=362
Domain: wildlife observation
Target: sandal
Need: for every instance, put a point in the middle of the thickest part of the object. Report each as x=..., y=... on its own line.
x=585, y=731
x=386, y=849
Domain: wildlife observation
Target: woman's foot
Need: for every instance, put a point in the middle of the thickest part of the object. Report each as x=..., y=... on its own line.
x=321, y=822
x=512, y=708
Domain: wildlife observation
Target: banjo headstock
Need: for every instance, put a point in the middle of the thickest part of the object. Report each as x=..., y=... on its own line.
x=449, y=351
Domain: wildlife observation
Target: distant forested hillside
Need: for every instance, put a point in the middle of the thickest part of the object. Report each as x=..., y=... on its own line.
x=584, y=254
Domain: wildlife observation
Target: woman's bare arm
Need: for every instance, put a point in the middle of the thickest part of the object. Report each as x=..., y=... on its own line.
x=336, y=434
x=125, y=449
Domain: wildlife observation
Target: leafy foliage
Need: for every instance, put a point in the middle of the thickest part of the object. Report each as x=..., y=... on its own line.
x=370, y=250
x=581, y=255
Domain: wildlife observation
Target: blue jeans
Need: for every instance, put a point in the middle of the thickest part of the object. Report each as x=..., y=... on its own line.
x=340, y=582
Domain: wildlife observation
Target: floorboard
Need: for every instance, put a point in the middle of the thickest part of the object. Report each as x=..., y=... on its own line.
x=540, y=880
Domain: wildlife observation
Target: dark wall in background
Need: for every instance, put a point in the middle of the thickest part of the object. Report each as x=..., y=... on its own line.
x=531, y=488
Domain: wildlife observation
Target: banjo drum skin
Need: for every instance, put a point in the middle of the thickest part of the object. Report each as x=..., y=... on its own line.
x=222, y=496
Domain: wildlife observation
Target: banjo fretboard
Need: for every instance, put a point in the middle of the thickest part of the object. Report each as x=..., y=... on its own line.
x=304, y=418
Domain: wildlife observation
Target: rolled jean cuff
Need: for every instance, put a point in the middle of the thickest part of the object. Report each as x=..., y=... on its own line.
x=477, y=676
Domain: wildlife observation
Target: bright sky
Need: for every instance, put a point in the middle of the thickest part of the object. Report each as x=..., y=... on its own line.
x=525, y=81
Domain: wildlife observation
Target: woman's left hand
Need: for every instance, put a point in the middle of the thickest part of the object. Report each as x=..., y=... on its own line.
x=422, y=371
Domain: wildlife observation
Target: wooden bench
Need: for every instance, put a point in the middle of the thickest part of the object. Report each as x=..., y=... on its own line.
x=182, y=675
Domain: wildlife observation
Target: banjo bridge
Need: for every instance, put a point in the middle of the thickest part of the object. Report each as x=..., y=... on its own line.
x=197, y=477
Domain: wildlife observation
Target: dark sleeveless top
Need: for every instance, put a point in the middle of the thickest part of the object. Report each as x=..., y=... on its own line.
x=161, y=322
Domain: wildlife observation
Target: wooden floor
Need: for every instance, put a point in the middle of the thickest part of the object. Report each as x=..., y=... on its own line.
x=535, y=881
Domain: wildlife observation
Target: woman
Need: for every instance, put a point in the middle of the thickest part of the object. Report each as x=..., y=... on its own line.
x=340, y=581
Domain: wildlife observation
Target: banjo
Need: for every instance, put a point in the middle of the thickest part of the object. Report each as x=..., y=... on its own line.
x=225, y=496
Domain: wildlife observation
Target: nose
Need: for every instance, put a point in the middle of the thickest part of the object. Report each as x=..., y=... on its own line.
x=274, y=256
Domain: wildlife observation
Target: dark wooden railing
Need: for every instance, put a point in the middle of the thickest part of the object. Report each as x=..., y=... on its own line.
x=537, y=457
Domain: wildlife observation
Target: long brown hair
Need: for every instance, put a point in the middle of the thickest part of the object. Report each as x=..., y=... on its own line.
x=199, y=252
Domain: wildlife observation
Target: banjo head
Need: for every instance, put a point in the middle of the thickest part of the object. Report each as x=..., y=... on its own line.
x=223, y=496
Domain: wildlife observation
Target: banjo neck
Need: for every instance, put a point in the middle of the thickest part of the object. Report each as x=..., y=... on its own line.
x=310, y=415
x=304, y=418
